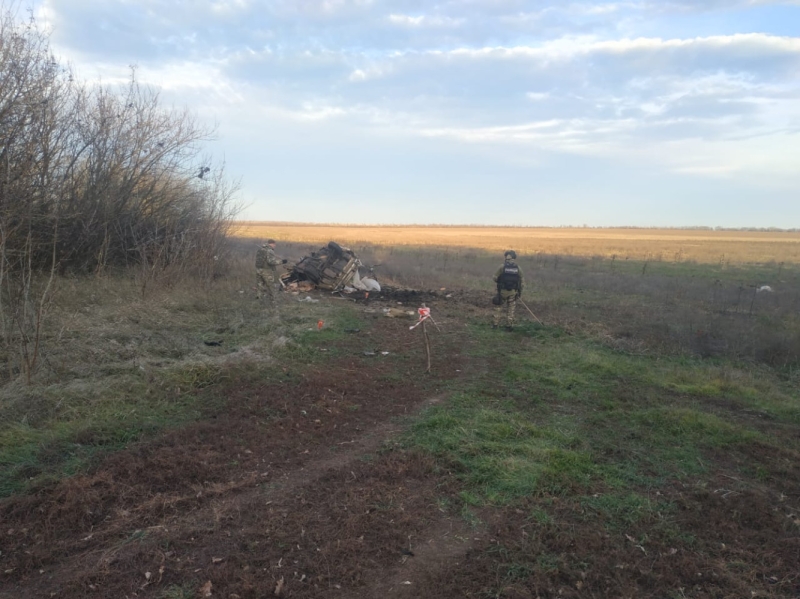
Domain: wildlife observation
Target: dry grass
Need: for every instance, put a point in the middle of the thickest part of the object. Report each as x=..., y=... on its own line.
x=709, y=310
x=117, y=363
x=598, y=433
x=671, y=245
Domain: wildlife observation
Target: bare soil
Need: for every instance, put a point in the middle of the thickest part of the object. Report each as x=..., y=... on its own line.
x=298, y=488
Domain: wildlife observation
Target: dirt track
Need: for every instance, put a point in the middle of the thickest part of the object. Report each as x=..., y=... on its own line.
x=284, y=484
x=298, y=489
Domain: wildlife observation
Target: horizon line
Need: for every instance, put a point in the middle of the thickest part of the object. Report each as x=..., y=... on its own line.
x=477, y=226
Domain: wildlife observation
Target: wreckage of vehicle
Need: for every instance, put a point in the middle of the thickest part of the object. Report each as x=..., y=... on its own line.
x=333, y=268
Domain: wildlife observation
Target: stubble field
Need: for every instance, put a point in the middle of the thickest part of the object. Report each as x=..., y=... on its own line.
x=671, y=245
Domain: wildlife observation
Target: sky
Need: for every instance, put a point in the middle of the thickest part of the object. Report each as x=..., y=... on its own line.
x=495, y=112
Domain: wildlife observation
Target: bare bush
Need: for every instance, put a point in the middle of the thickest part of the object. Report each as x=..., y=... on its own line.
x=90, y=179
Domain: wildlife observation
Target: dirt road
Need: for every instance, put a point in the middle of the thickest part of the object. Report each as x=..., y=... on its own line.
x=304, y=485
x=295, y=488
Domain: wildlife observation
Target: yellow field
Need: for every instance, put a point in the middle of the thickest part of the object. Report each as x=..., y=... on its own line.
x=640, y=244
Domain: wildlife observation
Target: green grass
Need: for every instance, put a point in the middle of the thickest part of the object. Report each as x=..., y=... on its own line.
x=559, y=414
x=618, y=510
x=498, y=454
x=121, y=367
x=578, y=437
x=558, y=424
x=552, y=412
x=309, y=341
x=85, y=427
x=55, y=429
x=178, y=592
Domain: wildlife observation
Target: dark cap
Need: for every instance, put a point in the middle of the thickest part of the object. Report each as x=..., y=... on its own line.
x=270, y=241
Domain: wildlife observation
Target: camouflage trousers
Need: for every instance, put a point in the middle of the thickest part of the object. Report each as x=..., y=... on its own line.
x=267, y=285
x=507, y=308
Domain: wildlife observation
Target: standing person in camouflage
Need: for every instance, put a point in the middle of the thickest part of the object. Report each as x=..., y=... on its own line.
x=267, y=262
x=509, y=287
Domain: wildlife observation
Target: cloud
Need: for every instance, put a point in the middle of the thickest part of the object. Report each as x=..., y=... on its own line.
x=425, y=21
x=593, y=97
x=700, y=88
x=573, y=135
x=710, y=5
x=312, y=112
x=745, y=47
x=229, y=7
x=368, y=72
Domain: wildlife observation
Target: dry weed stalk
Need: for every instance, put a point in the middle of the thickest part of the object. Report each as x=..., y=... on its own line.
x=92, y=178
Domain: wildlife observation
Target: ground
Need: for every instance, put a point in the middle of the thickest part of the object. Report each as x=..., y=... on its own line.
x=537, y=463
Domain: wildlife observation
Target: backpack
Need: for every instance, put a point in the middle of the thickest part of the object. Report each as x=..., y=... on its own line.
x=509, y=279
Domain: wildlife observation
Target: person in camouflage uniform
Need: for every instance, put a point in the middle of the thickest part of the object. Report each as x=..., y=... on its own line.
x=510, y=283
x=267, y=281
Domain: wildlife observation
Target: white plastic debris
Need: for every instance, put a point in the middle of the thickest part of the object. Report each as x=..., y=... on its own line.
x=308, y=299
x=766, y=288
x=371, y=284
x=364, y=284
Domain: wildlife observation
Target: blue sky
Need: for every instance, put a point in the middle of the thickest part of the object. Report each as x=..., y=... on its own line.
x=631, y=112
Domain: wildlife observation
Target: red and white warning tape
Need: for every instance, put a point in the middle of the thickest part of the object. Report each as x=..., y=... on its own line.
x=424, y=314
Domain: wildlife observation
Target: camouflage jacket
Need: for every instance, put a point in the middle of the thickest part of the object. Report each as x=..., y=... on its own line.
x=267, y=258
x=499, y=273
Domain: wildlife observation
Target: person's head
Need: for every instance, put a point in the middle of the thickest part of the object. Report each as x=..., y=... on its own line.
x=510, y=255
x=270, y=243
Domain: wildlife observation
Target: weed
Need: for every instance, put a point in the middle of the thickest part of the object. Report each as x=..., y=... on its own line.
x=134, y=537
x=540, y=516
x=518, y=571
x=443, y=504
x=178, y=592
x=619, y=511
x=468, y=513
x=192, y=377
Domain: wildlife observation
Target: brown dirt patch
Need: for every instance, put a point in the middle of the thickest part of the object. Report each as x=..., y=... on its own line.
x=280, y=466
x=709, y=545
x=299, y=485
